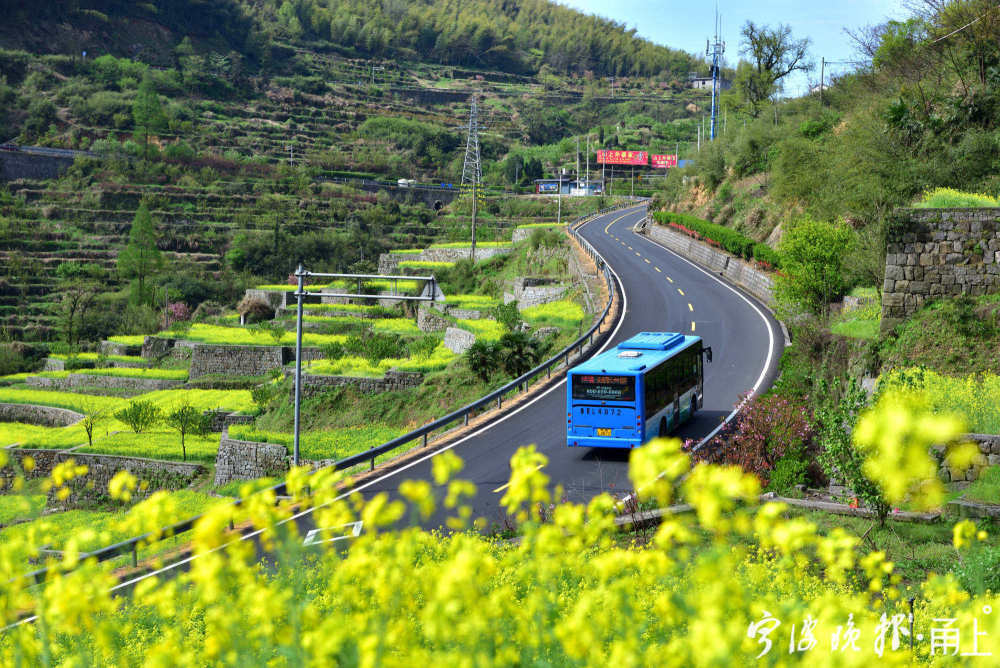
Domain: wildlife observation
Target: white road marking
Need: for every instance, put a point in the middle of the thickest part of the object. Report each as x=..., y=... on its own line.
x=314, y=536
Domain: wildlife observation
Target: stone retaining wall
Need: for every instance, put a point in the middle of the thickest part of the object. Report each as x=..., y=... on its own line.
x=528, y=291
x=313, y=384
x=755, y=281
x=112, y=348
x=101, y=468
x=244, y=360
x=223, y=419
x=938, y=253
x=78, y=380
x=989, y=455
x=458, y=340
x=388, y=263
x=248, y=460
x=43, y=416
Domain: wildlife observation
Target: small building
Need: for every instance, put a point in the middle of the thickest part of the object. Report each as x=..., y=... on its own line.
x=705, y=83
x=568, y=186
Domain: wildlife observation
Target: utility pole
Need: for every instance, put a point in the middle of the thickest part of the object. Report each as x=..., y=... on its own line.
x=612, y=86
x=291, y=154
x=715, y=49
x=822, y=76
x=472, y=170
x=587, y=177
x=578, y=162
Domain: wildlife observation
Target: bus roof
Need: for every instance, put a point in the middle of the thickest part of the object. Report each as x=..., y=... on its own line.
x=637, y=354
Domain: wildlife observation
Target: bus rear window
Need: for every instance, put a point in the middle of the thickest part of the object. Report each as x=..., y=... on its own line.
x=604, y=388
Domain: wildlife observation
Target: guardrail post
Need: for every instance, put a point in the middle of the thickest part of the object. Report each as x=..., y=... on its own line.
x=499, y=402
x=135, y=556
x=466, y=419
x=425, y=440
x=372, y=467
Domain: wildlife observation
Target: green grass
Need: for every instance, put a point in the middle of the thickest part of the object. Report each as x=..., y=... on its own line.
x=949, y=198
x=30, y=435
x=128, y=340
x=20, y=506
x=352, y=308
x=69, y=400
x=987, y=488
x=239, y=336
x=136, y=372
x=406, y=251
x=439, y=359
x=485, y=330
x=531, y=226
x=562, y=313
x=859, y=323
x=865, y=293
x=158, y=444
x=327, y=444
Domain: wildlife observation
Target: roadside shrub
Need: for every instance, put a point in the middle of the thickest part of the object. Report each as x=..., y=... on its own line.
x=139, y=415
x=769, y=430
x=546, y=238
x=508, y=315
x=726, y=237
x=482, y=358
x=518, y=353
x=979, y=570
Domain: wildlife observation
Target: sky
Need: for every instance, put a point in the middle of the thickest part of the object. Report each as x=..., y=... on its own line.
x=686, y=25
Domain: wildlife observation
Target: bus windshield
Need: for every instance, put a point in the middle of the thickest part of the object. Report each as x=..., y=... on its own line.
x=604, y=388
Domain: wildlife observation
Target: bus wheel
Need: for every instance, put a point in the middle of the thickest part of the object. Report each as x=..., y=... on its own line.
x=663, y=427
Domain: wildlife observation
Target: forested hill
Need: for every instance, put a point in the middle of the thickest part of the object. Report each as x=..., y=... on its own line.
x=518, y=36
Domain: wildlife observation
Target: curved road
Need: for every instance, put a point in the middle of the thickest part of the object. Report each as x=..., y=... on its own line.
x=663, y=292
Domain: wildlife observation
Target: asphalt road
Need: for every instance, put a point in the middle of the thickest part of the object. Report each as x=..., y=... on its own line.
x=663, y=292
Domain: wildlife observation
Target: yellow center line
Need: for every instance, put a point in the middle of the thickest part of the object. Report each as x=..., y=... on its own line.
x=679, y=290
x=637, y=254
x=657, y=269
x=690, y=308
x=692, y=325
x=630, y=248
x=503, y=487
x=615, y=221
x=670, y=279
x=646, y=261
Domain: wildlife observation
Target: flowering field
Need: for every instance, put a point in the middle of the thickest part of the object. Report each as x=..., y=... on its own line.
x=406, y=251
x=127, y=339
x=395, y=325
x=350, y=308
x=472, y=301
x=485, y=330
x=159, y=444
x=467, y=244
x=721, y=586
x=426, y=264
x=562, y=313
x=439, y=358
x=976, y=398
x=327, y=444
x=96, y=356
x=239, y=336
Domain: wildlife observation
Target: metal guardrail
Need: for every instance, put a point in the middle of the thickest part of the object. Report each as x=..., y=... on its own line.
x=131, y=546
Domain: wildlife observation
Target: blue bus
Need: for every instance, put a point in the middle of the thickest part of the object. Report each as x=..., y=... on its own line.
x=641, y=389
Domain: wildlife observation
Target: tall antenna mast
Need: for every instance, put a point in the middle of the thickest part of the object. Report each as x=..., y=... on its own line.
x=472, y=169
x=715, y=49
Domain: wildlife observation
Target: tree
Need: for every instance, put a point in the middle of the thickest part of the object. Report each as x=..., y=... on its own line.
x=773, y=56
x=91, y=418
x=187, y=419
x=147, y=112
x=812, y=264
x=518, y=353
x=481, y=358
x=79, y=285
x=139, y=415
x=141, y=260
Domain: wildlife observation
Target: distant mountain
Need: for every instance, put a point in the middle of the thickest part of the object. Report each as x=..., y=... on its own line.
x=517, y=36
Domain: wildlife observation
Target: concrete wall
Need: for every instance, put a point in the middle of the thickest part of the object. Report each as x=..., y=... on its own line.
x=44, y=416
x=247, y=460
x=758, y=283
x=938, y=253
x=101, y=468
x=83, y=379
x=313, y=384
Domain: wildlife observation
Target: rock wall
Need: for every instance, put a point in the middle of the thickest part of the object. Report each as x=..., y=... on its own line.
x=223, y=419
x=755, y=281
x=431, y=319
x=247, y=460
x=112, y=348
x=44, y=416
x=78, y=380
x=989, y=455
x=458, y=340
x=101, y=468
x=388, y=263
x=938, y=253
x=244, y=360
x=20, y=165
x=313, y=384
x=529, y=291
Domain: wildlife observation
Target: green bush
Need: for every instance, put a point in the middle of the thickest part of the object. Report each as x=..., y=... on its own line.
x=139, y=415
x=728, y=238
x=482, y=359
x=508, y=315
x=979, y=570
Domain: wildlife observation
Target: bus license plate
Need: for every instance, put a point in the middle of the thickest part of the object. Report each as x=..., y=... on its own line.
x=603, y=432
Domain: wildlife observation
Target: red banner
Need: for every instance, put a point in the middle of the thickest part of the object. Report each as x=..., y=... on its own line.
x=622, y=157
x=663, y=161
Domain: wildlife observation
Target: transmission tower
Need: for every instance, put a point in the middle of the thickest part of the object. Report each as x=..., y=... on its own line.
x=715, y=49
x=472, y=170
